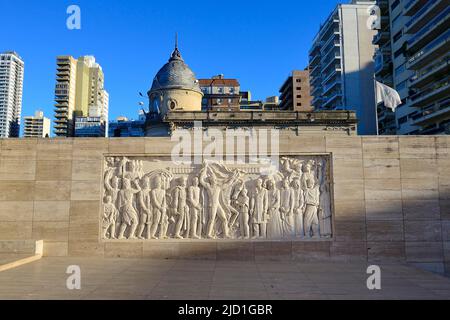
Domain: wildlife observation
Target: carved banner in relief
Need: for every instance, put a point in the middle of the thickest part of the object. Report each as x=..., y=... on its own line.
x=151, y=198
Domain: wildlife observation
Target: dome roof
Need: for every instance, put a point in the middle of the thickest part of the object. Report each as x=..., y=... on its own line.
x=175, y=74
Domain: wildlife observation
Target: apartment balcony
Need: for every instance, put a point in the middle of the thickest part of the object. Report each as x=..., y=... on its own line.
x=315, y=48
x=431, y=31
x=329, y=99
x=315, y=70
x=435, y=91
x=424, y=15
x=413, y=6
x=316, y=100
x=333, y=84
x=383, y=63
x=314, y=60
x=435, y=113
x=334, y=74
x=430, y=52
x=428, y=75
x=381, y=38
x=316, y=91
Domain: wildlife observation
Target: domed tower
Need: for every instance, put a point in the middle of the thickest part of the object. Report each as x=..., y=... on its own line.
x=175, y=88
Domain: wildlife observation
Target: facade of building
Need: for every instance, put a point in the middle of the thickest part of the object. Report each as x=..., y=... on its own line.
x=418, y=48
x=295, y=92
x=79, y=86
x=11, y=89
x=124, y=127
x=220, y=93
x=36, y=126
x=341, y=64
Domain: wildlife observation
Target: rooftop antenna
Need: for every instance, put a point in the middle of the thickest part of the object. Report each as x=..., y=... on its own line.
x=176, y=40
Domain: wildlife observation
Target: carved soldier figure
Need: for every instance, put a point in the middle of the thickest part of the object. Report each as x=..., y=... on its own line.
x=159, y=215
x=274, y=225
x=258, y=209
x=325, y=206
x=195, y=209
x=112, y=186
x=298, y=201
x=145, y=208
x=214, y=191
x=181, y=209
x=128, y=213
x=312, y=200
x=287, y=208
x=243, y=205
x=308, y=174
x=109, y=219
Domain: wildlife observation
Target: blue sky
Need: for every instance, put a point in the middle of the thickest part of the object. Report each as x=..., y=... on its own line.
x=258, y=42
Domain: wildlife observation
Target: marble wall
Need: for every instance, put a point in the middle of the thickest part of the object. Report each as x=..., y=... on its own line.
x=390, y=200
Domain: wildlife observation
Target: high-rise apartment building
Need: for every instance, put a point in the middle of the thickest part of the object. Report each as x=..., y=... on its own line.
x=419, y=49
x=295, y=92
x=341, y=64
x=36, y=126
x=11, y=89
x=80, y=86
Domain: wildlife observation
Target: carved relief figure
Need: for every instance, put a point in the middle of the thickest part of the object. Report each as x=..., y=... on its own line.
x=181, y=209
x=311, y=222
x=195, y=209
x=258, y=207
x=274, y=224
x=325, y=205
x=243, y=205
x=159, y=216
x=109, y=219
x=298, y=200
x=129, y=215
x=287, y=209
x=144, y=208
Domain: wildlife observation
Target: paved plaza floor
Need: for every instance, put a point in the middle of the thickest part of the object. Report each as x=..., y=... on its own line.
x=202, y=280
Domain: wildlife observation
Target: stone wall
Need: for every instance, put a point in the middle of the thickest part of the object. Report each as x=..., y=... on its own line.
x=391, y=200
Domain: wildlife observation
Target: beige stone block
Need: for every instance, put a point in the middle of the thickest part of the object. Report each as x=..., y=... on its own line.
x=84, y=221
x=16, y=190
x=385, y=231
x=17, y=169
x=418, y=168
x=386, y=251
x=426, y=230
x=126, y=146
x=424, y=251
x=349, y=190
x=55, y=249
x=445, y=209
x=353, y=210
x=52, y=190
x=87, y=171
x=421, y=209
x=125, y=249
x=344, y=147
x=417, y=147
x=159, y=146
x=302, y=144
x=161, y=250
x=16, y=211
x=197, y=250
x=444, y=167
x=51, y=210
x=19, y=149
x=445, y=230
x=240, y=250
x=311, y=251
x=383, y=189
x=51, y=231
x=347, y=168
x=17, y=247
x=384, y=210
x=443, y=147
x=348, y=251
x=54, y=149
x=349, y=231
x=85, y=191
x=86, y=249
x=15, y=230
x=53, y=170
x=420, y=189
x=444, y=188
x=89, y=149
x=380, y=147
x=381, y=168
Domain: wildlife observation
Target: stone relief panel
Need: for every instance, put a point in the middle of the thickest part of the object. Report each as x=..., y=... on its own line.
x=151, y=198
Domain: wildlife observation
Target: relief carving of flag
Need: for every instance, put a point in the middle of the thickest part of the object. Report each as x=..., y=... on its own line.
x=388, y=96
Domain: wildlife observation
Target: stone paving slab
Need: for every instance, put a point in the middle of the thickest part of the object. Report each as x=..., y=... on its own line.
x=118, y=279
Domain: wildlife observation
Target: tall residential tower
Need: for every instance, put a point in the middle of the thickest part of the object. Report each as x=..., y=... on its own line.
x=11, y=88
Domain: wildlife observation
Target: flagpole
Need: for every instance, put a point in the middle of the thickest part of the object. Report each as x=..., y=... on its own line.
x=376, y=103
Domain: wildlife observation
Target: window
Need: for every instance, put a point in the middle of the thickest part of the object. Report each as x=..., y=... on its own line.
x=299, y=96
x=220, y=90
x=402, y=120
x=395, y=4
x=299, y=88
x=298, y=80
x=399, y=69
x=398, y=52
x=401, y=85
x=231, y=90
x=396, y=20
x=398, y=36
x=299, y=104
